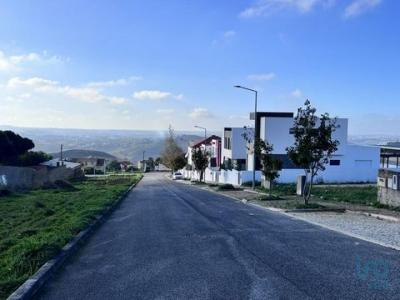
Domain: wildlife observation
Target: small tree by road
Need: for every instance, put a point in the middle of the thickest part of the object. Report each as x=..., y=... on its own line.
x=314, y=145
x=200, y=161
x=270, y=165
x=172, y=155
x=114, y=166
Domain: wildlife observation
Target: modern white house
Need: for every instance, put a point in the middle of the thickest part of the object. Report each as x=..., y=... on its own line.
x=234, y=149
x=350, y=163
x=212, y=145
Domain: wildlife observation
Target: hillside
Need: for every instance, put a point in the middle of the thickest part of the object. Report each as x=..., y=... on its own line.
x=123, y=144
x=76, y=153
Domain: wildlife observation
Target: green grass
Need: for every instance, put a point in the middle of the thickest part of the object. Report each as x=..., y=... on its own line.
x=34, y=226
x=365, y=195
x=280, y=189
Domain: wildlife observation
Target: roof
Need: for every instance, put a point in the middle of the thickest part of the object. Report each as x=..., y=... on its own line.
x=67, y=164
x=261, y=114
x=206, y=141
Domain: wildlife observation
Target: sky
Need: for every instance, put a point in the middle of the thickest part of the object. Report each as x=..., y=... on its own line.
x=147, y=64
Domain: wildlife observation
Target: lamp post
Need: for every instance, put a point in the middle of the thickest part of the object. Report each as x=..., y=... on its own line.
x=205, y=130
x=143, y=163
x=254, y=138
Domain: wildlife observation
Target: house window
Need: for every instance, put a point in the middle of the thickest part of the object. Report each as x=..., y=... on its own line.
x=334, y=162
x=227, y=143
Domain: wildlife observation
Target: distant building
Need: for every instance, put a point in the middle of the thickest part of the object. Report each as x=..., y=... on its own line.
x=142, y=165
x=98, y=165
x=234, y=149
x=212, y=145
x=56, y=162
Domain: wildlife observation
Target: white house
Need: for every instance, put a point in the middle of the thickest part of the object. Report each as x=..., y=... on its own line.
x=212, y=145
x=56, y=162
x=234, y=148
x=350, y=163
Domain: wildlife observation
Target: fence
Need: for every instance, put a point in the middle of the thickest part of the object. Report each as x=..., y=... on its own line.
x=233, y=177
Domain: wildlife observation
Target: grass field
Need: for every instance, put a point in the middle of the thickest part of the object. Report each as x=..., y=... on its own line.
x=366, y=195
x=34, y=226
x=362, y=194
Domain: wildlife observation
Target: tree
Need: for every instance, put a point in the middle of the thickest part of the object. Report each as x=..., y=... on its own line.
x=32, y=158
x=200, y=161
x=151, y=163
x=270, y=165
x=314, y=145
x=114, y=166
x=172, y=155
x=158, y=161
x=12, y=146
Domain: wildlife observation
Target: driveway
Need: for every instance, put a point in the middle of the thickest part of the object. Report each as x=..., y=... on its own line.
x=169, y=240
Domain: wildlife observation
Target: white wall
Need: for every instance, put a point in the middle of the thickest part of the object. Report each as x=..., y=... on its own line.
x=360, y=164
x=238, y=145
x=277, y=132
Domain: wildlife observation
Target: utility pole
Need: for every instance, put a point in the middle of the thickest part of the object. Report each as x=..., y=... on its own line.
x=61, y=155
x=255, y=136
x=143, y=163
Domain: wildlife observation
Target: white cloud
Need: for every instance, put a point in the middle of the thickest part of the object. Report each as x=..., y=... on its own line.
x=14, y=63
x=268, y=7
x=261, y=77
x=165, y=111
x=200, y=113
x=156, y=95
x=54, y=88
x=229, y=34
x=297, y=93
x=358, y=7
x=115, y=82
x=34, y=82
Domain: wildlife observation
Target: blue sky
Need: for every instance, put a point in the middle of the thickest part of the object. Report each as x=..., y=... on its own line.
x=146, y=64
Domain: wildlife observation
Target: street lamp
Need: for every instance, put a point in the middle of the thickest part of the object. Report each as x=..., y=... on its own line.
x=205, y=130
x=143, y=163
x=255, y=124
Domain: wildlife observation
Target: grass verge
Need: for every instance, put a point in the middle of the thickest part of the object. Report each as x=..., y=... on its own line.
x=34, y=226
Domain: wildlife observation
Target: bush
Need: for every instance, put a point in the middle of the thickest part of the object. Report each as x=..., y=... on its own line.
x=309, y=206
x=32, y=158
x=226, y=187
x=250, y=183
x=4, y=193
x=270, y=198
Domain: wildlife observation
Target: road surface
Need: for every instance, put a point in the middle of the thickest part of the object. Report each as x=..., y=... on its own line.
x=169, y=240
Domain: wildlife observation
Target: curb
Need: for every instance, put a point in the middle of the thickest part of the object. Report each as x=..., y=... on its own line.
x=33, y=284
x=278, y=210
x=377, y=216
x=305, y=210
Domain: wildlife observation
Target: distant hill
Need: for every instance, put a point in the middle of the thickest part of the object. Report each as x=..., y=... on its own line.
x=75, y=153
x=123, y=144
x=393, y=144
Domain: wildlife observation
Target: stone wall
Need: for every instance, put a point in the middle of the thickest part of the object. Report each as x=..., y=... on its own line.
x=22, y=178
x=389, y=196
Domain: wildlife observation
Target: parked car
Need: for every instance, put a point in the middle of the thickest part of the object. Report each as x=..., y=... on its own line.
x=177, y=175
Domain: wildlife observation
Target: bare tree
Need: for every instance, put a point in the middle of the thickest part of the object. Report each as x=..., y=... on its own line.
x=172, y=156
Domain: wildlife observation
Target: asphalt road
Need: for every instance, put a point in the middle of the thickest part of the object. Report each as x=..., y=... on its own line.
x=169, y=240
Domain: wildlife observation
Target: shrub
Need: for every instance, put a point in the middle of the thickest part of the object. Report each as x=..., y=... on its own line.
x=226, y=187
x=250, y=183
x=32, y=158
